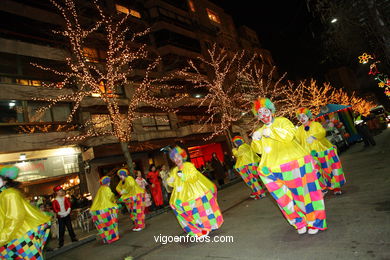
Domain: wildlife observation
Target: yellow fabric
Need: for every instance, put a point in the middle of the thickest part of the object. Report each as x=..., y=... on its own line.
x=245, y=155
x=104, y=199
x=130, y=188
x=191, y=185
x=17, y=216
x=281, y=147
x=316, y=130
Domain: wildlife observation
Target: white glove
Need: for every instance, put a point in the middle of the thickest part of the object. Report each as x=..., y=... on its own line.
x=123, y=192
x=179, y=188
x=310, y=139
x=256, y=136
x=171, y=180
x=267, y=132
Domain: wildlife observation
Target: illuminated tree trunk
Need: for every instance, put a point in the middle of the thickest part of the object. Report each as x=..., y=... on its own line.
x=229, y=136
x=126, y=153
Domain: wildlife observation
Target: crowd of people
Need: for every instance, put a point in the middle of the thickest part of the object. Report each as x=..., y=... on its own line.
x=297, y=166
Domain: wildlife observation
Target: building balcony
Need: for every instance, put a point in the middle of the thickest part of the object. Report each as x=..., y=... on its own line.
x=35, y=141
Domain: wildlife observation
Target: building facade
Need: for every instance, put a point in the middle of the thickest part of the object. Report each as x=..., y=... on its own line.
x=32, y=140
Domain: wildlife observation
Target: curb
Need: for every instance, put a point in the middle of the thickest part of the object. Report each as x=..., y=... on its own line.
x=68, y=247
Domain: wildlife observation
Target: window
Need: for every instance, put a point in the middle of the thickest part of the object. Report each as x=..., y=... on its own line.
x=122, y=9
x=157, y=122
x=57, y=113
x=103, y=89
x=135, y=13
x=125, y=10
x=11, y=111
x=28, y=82
x=16, y=111
x=191, y=5
x=91, y=55
x=213, y=16
x=101, y=122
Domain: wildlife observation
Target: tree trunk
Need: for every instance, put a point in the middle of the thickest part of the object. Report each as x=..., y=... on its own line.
x=126, y=153
x=229, y=136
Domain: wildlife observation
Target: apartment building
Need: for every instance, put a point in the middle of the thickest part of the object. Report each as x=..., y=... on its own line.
x=180, y=30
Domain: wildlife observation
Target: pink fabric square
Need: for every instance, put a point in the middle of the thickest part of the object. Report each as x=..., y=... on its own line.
x=272, y=186
x=316, y=195
x=286, y=167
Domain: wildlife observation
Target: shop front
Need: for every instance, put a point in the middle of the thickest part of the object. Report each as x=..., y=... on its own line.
x=40, y=171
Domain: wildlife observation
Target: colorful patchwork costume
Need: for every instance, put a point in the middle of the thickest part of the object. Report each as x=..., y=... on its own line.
x=104, y=212
x=288, y=170
x=246, y=165
x=311, y=136
x=23, y=228
x=134, y=198
x=194, y=198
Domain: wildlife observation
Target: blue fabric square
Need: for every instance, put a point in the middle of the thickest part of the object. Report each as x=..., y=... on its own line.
x=312, y=186
x=211, y=216
x=309, y=208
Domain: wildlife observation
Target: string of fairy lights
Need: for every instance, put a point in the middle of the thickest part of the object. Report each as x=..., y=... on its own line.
x=85, y=79
x=233, y=80
x=233, y=83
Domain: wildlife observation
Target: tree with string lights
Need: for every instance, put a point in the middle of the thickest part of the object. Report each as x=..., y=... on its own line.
x=86, y=78
x=224, y=78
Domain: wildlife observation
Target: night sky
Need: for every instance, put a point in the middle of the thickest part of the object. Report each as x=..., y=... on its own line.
x=283, y=27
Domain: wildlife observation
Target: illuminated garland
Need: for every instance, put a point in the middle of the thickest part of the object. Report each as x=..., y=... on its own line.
x=84, y=78
x=225, y=101
x=384, y=81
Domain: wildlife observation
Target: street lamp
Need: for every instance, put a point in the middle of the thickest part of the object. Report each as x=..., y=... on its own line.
x=333, y=20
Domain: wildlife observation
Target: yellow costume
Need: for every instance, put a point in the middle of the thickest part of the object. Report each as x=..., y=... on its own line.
x=332, y=175
x=194, y=200
x=17, y=216
x=280, y=147
x=104, y=212
x=104, y=199
x=134, y=197
x=246, y=165
x=191, y=185
x=288, y=171
x=320, y=143
x=245, y=155
x=128, y=188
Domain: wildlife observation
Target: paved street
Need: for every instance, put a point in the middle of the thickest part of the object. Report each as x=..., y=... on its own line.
x=358, y=221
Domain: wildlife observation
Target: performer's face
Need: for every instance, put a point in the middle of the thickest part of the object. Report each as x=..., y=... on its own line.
x=265, y=115
x=303, y=118
x=178, y=159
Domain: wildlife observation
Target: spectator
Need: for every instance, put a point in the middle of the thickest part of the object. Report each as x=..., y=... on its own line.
x=62, y=207
x=229, y=165
x=219, y=171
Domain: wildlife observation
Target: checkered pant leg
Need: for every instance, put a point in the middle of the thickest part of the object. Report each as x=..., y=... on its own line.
x=200, y=215
x=296, y=189
x=249, y=174
x=331, y=171
x=106, y=222
x=29, y=246
x=136, y=207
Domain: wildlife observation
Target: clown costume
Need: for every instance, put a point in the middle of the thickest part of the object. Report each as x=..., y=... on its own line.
x=288, y=170
x=23, y=228
x=194, y=197
x=104, y=212
x=246, y=165
x=134, y=198
x=311, y=136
